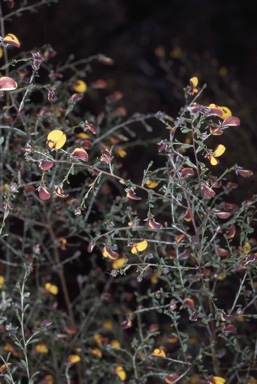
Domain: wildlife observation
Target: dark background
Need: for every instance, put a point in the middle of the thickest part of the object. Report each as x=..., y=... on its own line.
x=210, y=34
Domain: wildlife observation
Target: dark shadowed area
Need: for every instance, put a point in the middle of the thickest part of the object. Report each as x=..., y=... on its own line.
x=130, y=30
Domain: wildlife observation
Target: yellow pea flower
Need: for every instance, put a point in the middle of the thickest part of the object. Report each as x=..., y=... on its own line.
x=151, y=184
x=115, y=343
x=226, y=113
x=56, y=139
x=1, y=281
x=139, y=247
x=41, y=348
x=51, y=288
x=217, y=153
x=79, y=86
x=118, y=263
x=73, y=359
x=11, y=39
x=218, y=380
x=158, y=352
x=120, y=372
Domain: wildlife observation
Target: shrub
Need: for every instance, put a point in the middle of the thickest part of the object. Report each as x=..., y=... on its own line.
x=105, y=279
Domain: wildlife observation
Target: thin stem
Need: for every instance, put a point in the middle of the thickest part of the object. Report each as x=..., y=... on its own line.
x=30, y=7
x=60, y=270
x=25, y=352
x=122, y=125
x=28, y=88
x=238, y=292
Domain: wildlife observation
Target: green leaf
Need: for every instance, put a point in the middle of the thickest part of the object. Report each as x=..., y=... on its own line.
x=33, y=341
x=8, y=378
x=34, y=374
x=26, y=307
x=23, y=362
x=18, y=344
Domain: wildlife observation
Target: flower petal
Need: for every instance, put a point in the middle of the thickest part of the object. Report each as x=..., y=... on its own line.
x=108, y=253
x=139, y=247
x=158, y=352
x=219, y=150
x=11, y=40
x=80, y=153
x=56, y=139
x=43, y=193
x=79, y=86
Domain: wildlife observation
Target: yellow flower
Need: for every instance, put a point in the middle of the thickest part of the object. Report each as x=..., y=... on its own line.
x=120, y=372
x=107, y=324
x=193, y=85
x=194, y=81
x=1, y=281
x=139, y=247
x=247, y=248
x=121, y=152
x=51, y=288
x=98, y=339
x=110, y=254
x=115, y=343
x=151, y=184
x=73, y=359
x=226, y=113
x=11, y=40
x=218, y=380
x=96, y=352
x=217, y=153
x=41, y=348
x=82, y=135
x=79, y=86
x=221, y=276
x=56, y=139
x=1, y=53
x=158, y=352
x=118, y=263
